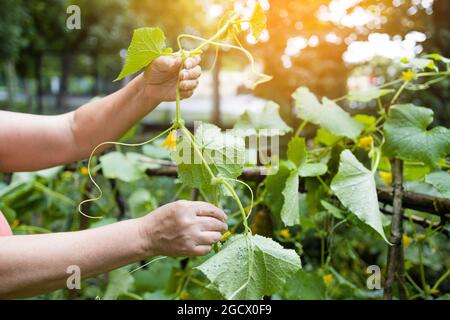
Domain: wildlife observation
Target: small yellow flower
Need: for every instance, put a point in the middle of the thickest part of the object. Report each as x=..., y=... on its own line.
x=365, y=143
x=184, y=295
x=408, y=75
x=15, y=224
x=171, y=141
x=327, y=279
x=406, y=240
x=225, y=236
x=387, y=177
x=285, y=233
x=84, y=171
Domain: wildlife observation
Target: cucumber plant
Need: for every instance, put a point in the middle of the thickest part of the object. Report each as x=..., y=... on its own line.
x=248, y=266
x=341, y=171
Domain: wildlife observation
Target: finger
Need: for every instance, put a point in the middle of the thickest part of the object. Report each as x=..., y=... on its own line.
x=212, y=224
x=205, y=209
x=188, y=85
x=202, y=250
x=166, y=63
x=191, y=63
x=186, y=94
x=208, y=238
x=191, y=74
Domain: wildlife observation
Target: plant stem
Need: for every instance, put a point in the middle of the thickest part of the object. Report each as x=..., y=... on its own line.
x=196, y=150
x=239, y=203
x=399, y=91
x=440, y=280
x=300, y=128
x=422, y=269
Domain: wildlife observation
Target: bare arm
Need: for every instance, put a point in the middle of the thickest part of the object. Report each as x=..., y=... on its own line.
x=31, y=142
x=35, y=264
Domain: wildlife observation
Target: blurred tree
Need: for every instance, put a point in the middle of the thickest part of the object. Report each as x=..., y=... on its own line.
x=13, y=14
x=44, y=30
x=103, y=26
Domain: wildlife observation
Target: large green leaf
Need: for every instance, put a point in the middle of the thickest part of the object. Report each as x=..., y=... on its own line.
x=441, y=181
x=146, y=45
x=312, y=170
x=290, y=212
x=368, y=95
x=141, y=202
x=250, y=267
x=120, y=282
x=354, y=185
x=275, y=184
x=265, y=123
x=116, y=165
x=407, y=137
x=327, y=114
x=305, y=286
x=258, y=21
x=224, y=153
x=296, y=151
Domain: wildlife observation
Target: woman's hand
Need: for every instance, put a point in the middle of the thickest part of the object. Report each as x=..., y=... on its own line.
x=161, y=77
x=183, y=228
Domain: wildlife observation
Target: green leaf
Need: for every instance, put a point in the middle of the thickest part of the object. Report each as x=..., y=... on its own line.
x=326, y=138
x=438, y=57
x=407, y=137
x=313, y=169
x=120, y=282
x=224, y=153
x=296, y=151
x=258, y=21
x=415, y=171
x=141, y=202
x=116, y=165
x=441, y=181
x=290, y=212
x=266, y=123
x=335, y=211
x=250, y=267
x=368, y=95
x=154, y=151
x=49, y=173
x=354, y=185
x=274, y=187
x=369, y=122
x=146, y=45
x=328, y=115
x=305, y=286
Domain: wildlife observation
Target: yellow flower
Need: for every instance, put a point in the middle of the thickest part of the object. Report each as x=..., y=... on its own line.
x=408, y=75
x=15, y=224
x=225, y=236
x=387, y=177
x=406, y=240
x=84, y=171
x=171, y=141
x=365, y=143
x=327, y=279
x=285, y=233
x=184, y=295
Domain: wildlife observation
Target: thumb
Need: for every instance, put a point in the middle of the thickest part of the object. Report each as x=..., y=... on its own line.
x=167, y=64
